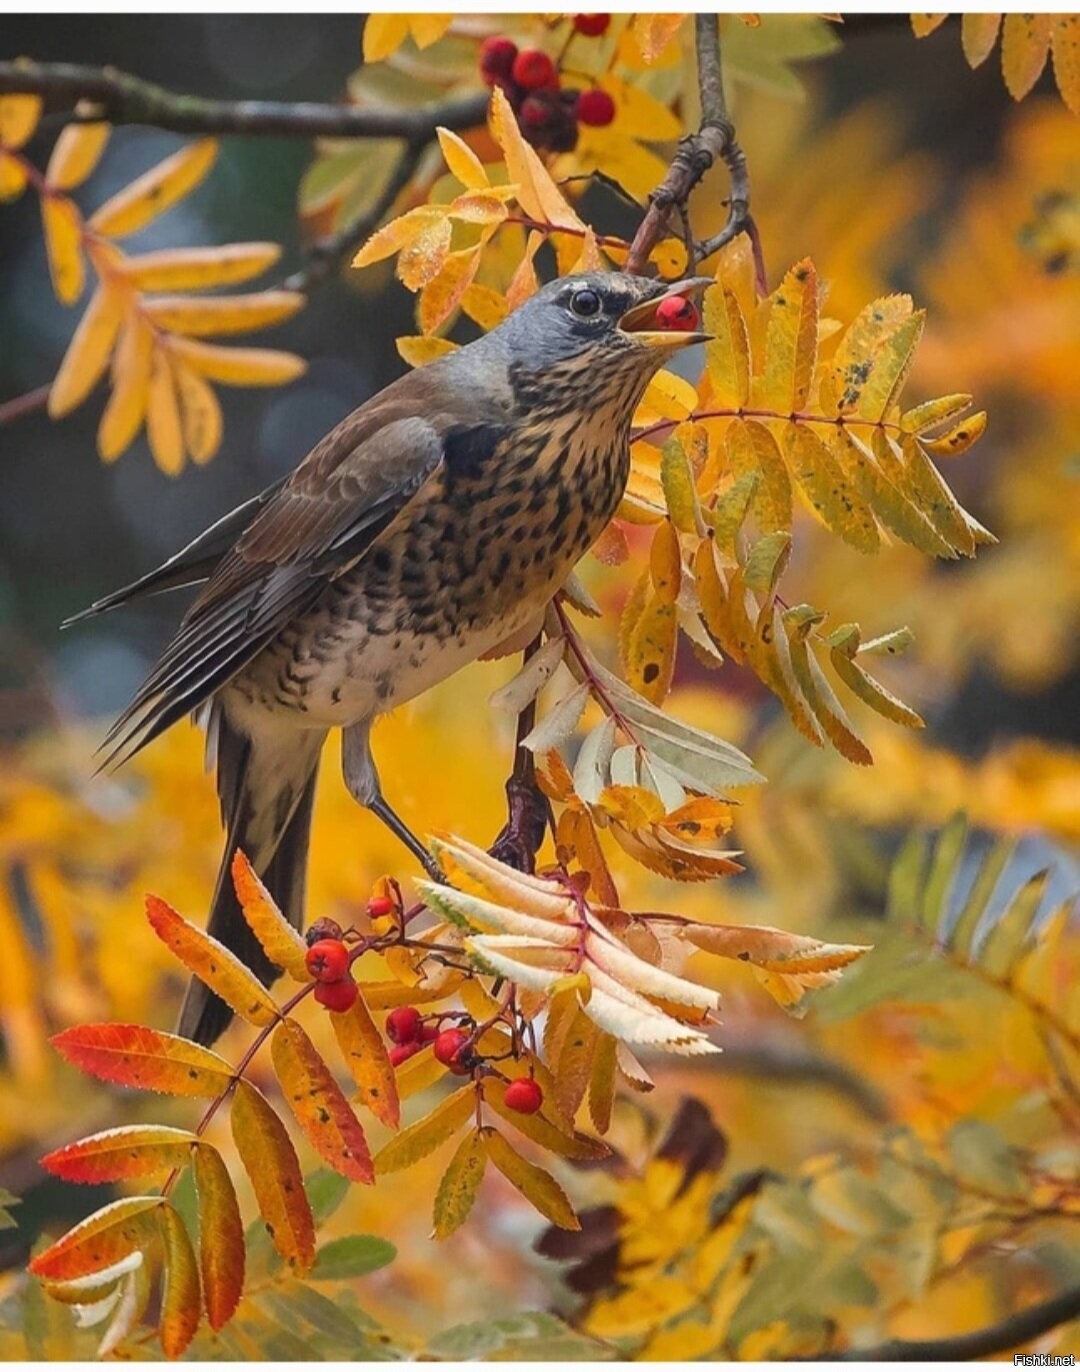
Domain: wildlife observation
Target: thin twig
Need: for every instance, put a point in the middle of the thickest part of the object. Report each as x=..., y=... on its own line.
x=26, y=404
x=126, y=99
x=715, y=141
x=1008, y=1333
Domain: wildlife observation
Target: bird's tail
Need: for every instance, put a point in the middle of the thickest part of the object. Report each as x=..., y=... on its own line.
x=266, y=787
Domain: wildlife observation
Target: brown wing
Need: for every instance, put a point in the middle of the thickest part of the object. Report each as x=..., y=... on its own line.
x=340, y=498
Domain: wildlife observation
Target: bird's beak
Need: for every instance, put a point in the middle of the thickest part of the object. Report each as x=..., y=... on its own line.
x=638, y=319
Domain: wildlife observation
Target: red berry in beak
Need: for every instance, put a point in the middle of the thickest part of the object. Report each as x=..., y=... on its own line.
x=328, y=960
x=677, y=314
x=524, y=1095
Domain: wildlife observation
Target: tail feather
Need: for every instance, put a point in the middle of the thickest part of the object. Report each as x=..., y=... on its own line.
x=266, y=803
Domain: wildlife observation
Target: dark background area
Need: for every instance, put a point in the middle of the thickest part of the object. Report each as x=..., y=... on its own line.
x=72, y=528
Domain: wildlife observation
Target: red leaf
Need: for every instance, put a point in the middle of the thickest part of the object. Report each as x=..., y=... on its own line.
x=135, y=1056
x=317, y=1101
x=137, y=1150
x=109, y=1234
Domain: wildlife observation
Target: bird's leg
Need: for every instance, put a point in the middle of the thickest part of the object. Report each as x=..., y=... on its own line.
x=362, y=781
x=521, y=836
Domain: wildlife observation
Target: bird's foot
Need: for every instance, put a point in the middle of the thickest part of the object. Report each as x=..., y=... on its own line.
x=521, y=837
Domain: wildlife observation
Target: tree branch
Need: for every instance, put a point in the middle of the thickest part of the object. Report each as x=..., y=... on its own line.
x=126, y=99
x=1008, y=1333
x=697, y=153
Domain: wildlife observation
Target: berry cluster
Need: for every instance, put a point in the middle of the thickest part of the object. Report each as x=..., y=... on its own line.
x=455, y=1048
x=330, y=963
x=548, y=113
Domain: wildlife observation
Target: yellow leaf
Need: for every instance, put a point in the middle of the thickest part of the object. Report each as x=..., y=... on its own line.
x=727, y=355
x=1066, y=46
x=418, y=351
x=180, y=1293
x=959, y=438
x=163, y=424
x=461, y=161
x=650, y=657
x=423, y=258
x=428, y=28
x=667, y=397
x=665, y=563
x=270, y=1160
x=1025, y=42
x=126, y=407
x=538, y=1187
x=602, y=1084
x=639, y=114
x=318, y=1103
x=821, y=698
x=12, y=177
x=212, y=963
x=654, y=32
x=543, y=1131
x=486, y=207
x=821, y=479
x=751, y=448
x=19, y=115
x=459, y=1186
x=484, y=306
x=63, y=242
x=399, y=233
x=238, y=366
x=931, y=413
x=195, y=269
x=281, y=943
x=383, y=35
x=978, y=34
x=791, y=340
x=223, y=313
x=853, y=361
x=88, y=352
x=200, y=414
x=76, y=153
x=365, y=1056
x=441, y=297
x=155, y=191
x=423, y=1137
x=537, y=193
x=524, y=282
x=923, y=24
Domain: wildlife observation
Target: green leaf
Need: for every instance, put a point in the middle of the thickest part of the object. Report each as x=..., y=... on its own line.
x=7, y=1200
x=353, y=1256
x=527, y=1337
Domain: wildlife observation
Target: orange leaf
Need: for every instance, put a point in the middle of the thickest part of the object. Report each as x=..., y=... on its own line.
x=126, y=407
x=19, y=115
x=200, y=414
x=221, y=1236
x=135, y=1150
x=320, y=1108
x=63, y=243
x=164, y=427
x=212, y=963
x=537, y=193
x=461, y=161
x=1066, y=44
x=365, y=1056
x=76, y=152
x=281, y=943
x=155, y=191
x=132, y=1055
x=1025, y=42
x=109, y=1234
x=194, y=269
x=180, y=1296
x=199, y=316
x=270, y=1160
x=239, y=366
x=88, y=352
x=978, y=34
x=442, y=296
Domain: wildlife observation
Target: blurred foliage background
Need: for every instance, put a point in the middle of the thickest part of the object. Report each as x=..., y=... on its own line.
x=895, y=167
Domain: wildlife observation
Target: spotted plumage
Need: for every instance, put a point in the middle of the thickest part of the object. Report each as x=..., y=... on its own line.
x=431, y=527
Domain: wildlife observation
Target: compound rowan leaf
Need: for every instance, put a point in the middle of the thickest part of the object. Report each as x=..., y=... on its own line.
x=180, y=1305
x=155, y=191
x=196, y=269
x=221, y=1236
x=538, y=1187
x=459, y=1186
x=365, y=1056
x=317, y=1101
x=238, y=366
x=212, y=963
x=88, y=352
x=270, y=1160
x=199, y=317
x=109, y=1234
x=537, y=193
x=423, y=1137
x=64, y=246
x=132, y=1055
x=281, y=943
x=76, y=152
x=135, y=1150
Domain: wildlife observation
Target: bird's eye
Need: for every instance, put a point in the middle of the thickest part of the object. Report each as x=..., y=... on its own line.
x=585, y=304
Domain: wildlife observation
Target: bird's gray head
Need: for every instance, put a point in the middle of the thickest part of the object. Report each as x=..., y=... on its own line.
x=598, y=318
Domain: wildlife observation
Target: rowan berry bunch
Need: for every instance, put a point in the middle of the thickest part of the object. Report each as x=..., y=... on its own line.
x=550, y=114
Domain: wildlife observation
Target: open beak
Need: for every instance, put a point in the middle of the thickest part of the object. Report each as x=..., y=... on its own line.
x=640, y=320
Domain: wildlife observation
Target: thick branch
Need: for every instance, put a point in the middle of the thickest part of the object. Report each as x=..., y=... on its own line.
x=126, y=99
x=1008, y=1333
x=697, y=153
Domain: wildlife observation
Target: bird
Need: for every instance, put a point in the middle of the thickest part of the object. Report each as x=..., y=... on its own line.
x=432, y=526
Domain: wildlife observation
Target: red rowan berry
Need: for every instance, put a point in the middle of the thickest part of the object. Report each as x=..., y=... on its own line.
x=403, y=1025
x=536, y=112
x=322, y=928
x=448, y=1050
x=328, y=960
x=595, y=108
x=677, y=314
x=524, y=1095
x=497, y=57
x=591, y=25
x=338, y=996
x=534, y=69
x=401, y=1052
x=379, y=906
